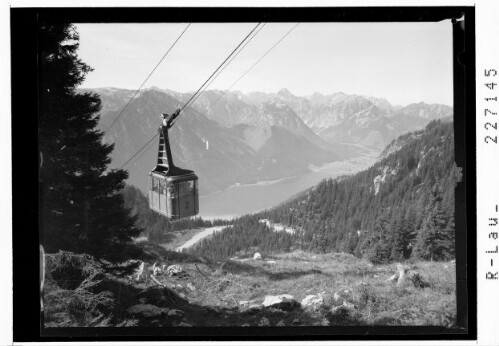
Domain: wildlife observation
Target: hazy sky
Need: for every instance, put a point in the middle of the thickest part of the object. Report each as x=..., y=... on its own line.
x=402, y=62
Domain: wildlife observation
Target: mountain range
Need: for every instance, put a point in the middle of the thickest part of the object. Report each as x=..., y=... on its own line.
x=231, y=137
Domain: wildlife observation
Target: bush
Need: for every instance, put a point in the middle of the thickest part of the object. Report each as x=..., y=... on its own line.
x=72, y=295
x=69, y=270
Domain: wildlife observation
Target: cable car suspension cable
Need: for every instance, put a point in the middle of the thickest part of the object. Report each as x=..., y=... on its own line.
x=148, y=142
x=218, y=68
x=149, y=76
x=218, y=74
x=251, y=67
x=186, y=104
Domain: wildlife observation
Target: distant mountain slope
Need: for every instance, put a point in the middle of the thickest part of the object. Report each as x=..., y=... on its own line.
x=387, y=207
x=398, y=143
x=286, y=152
x=222, y=137
x=220, y=155
x=227, y=156
x=353, y=119
x=341, y=118
x=402, y=207
x=231, y=109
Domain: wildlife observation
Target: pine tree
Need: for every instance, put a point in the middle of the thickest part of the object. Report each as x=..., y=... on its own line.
x=81, y=207
x=378, y=247
x=399, y=241
x=401, y=234
x=435, y=241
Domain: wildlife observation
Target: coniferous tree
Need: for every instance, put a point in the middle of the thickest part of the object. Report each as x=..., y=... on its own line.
x=401, y=238
x=434, y=240
x=379, y=244
x=399, y=241
x=81, y=208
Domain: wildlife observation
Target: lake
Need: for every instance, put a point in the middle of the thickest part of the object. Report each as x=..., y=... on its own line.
x=238, y=200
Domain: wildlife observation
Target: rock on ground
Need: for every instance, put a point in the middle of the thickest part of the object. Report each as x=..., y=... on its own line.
x=342, y=295
x=175, y=313
x=174, y=269
x=312, y=300
x=283, y=302
x=255, y=307
x=183, y=324
x=147, y=310
x=257, y=256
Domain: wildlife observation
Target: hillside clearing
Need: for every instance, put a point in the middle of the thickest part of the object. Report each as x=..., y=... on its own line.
x=231, y=293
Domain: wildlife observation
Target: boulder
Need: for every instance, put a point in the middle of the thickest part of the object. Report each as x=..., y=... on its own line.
x=340, y=296
x=175, y=313
x=183, y=324
x=246, y=302
x=271, y=262
x=403, y=273
x=174, y=270
x=313, y=301
x=257, y=256
x=255, y=307
x=283, y=302
x=147, y=310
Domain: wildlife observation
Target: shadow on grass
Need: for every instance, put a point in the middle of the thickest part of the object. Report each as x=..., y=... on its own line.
x=126, y=295
x=98, y=298
x=246, y=269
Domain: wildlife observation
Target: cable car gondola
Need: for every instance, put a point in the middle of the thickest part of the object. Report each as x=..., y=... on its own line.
x=173, y=191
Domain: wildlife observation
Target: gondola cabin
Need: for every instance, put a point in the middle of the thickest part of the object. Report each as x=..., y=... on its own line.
x=173, y=191
x=175, y=196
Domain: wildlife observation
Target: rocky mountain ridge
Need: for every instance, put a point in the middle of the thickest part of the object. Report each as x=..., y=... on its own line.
x=233, y=137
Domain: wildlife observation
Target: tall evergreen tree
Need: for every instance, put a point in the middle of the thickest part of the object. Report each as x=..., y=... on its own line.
x=401, y=235
x=81, y=207
x=435, y=241
x=379, y=245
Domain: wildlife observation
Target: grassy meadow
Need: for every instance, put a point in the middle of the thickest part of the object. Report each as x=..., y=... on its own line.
x=230, y=293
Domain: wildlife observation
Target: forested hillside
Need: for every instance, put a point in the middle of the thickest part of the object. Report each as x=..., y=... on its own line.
x=246, y=234
x=155, y=226
x=402, y=207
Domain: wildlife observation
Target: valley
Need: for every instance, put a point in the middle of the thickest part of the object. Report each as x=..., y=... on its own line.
x=231, y=138
x=244, y=199
x=321, y=209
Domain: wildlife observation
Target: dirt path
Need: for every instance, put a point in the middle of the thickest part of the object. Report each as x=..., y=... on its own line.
x=203, y=234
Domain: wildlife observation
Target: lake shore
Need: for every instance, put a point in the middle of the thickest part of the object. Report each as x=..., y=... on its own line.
x=241, y=199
